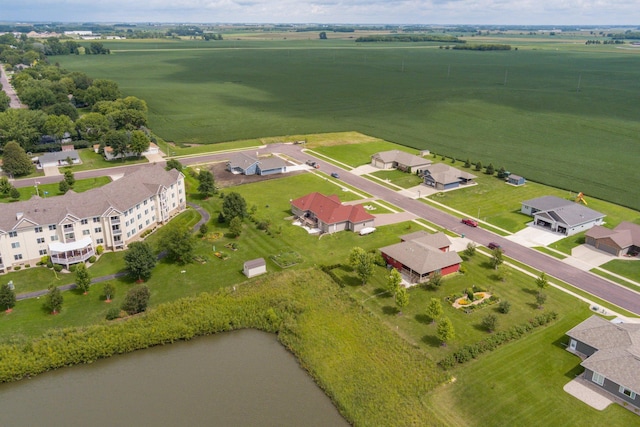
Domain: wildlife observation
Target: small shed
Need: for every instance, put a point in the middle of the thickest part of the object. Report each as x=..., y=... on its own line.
x=516, y=180
x=254, y=267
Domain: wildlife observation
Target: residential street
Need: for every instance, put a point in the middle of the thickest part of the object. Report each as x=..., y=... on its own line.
x=616, y=294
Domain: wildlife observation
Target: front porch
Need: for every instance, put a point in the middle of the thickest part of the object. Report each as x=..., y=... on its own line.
x=71, y=253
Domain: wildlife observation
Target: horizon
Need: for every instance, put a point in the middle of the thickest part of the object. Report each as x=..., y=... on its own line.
x=326, y=12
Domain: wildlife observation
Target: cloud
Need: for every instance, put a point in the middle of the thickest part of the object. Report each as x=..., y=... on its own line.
x=541, y=12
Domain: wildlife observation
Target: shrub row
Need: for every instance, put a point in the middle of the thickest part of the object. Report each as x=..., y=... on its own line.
x=329, y=270
x=472, y=351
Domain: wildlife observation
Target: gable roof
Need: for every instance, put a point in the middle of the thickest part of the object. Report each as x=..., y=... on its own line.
x=446, y=174
x=401, y=157
x=120, y=195
x=618, y=349
x=329, y=210
x=436, y=240
x=545, y=203
x=273, y=162
x=624, y=235
x=419, y=255
x=255, y=263
x=58, y=156
x=242, y=160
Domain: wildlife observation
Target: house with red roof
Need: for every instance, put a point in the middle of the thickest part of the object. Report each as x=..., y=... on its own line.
x=329, y=215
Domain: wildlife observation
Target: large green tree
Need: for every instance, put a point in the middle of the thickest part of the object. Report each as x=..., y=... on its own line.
x=139, y=142
x=57, y=126
x=102, y=90
x=206, y=183
x=179, y=244
x=83, y=278
x=137, y=299
x=21, y=125
x=92, y=126
x=15, y=160
x=445, y=331
x=234, y=205
x=7, y=297
x=53, y=300
x=140, y=260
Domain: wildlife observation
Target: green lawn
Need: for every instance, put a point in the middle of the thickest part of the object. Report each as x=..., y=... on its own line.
x=52, y=190
x=399, y=178
x=626, y=268
x=92, y=160
x=358, y=154
x=450, y=102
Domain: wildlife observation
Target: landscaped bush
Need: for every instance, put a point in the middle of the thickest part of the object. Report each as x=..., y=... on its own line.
x=92, y=259
x=73, y=267
x=57, y=267
x=99, y=249
x=17, y=267
x=504, y=307
x=472, y=351
x=113, y=313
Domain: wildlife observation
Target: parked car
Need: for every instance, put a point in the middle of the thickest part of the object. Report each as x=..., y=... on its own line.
x=494, y=245
x=470, y=222
x=335, y=175
x=311, y=163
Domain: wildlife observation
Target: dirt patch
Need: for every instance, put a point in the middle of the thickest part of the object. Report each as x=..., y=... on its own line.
x=224, y=178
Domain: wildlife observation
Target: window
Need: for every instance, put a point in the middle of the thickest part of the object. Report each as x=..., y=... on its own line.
x=146, y=211
x=54, y=238
x=15, y=245
x=145, y=202
x=139, y=216
x=597, y=378
x=52, y=227
x=138, y=206
x=627, y=392
x=13, y=234
x=68, y=227
x=42, y=252
x=140, y=227
x=98, y=229
x=17, y=257
x=40, y=240
x=86, y=232
x=38, y=229
x=96, y=219
x=153, y=208
x=147, y=222
x=84, y=221
x=99, y=241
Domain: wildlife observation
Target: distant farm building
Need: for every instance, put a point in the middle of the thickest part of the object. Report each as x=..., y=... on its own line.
x=254, y=267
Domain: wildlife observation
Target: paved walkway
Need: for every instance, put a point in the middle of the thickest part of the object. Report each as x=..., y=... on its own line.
x=594, y=398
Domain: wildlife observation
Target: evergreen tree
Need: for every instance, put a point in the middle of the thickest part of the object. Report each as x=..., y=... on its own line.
x=7, y=297
x=15, y=160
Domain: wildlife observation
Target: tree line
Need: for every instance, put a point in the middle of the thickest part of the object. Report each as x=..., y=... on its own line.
x=482, y=47
x=409, y=38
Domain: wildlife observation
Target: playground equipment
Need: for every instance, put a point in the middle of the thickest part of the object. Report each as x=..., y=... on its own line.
x=580, y=199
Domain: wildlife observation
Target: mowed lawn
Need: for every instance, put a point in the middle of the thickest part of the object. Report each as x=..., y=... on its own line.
x=458, y=103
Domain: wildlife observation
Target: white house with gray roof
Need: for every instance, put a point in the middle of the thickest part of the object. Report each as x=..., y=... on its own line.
x=69, y=228
x=561, y=215
x=611, y=356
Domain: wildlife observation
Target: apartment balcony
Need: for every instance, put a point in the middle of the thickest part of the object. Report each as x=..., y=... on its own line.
x=71, y=252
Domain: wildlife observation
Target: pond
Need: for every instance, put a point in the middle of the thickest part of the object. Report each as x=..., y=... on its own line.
x=240, y=378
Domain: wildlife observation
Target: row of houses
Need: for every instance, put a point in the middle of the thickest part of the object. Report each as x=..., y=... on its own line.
x=69, y=228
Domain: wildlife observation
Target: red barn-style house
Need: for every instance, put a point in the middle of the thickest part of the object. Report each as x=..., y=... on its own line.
x=329, y=215
x=419, y=255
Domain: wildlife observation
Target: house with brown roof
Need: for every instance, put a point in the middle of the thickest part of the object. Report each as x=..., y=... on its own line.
x=610, y=354
x=396, y=159
x=69, y=228
x=420, y=255
x=329, y=215
x=444, y=177
x=622, y=240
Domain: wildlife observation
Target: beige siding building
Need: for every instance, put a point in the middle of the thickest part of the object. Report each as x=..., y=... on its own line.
x=69, y=228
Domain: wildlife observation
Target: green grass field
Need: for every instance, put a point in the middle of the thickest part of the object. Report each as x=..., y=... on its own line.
x=536, y=123
x=52, y=190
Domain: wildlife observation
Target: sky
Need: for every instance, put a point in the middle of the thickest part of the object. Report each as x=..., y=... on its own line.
x=479, y=12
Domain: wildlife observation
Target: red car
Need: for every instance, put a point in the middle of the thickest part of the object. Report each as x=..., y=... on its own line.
x=470, y=222
x=494, y=245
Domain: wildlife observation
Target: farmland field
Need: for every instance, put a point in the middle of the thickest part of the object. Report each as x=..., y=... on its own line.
x=556, y=112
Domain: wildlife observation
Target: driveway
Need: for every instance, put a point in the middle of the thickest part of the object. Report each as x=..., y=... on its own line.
x=535, y=236
x=590, y=255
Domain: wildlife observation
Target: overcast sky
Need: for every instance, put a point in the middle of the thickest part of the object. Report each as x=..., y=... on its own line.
x=507, y=12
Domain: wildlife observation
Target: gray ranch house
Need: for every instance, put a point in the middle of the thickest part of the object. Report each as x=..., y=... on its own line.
x=247, y=164
x=444, y=177
x=401, y=160
x=610, y=355
x=561, y=215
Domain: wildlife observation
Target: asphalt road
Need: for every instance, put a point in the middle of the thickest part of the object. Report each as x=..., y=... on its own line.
x=586, y=281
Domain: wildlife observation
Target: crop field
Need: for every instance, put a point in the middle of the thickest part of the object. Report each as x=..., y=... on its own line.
x=557, y=113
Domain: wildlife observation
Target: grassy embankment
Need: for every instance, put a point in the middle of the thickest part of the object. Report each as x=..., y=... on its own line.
x=534, y=122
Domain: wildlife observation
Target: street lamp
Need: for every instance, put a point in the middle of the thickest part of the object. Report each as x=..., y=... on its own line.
x=37, y=192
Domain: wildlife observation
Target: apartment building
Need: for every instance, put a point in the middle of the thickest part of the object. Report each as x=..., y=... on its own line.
x=69, y=228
